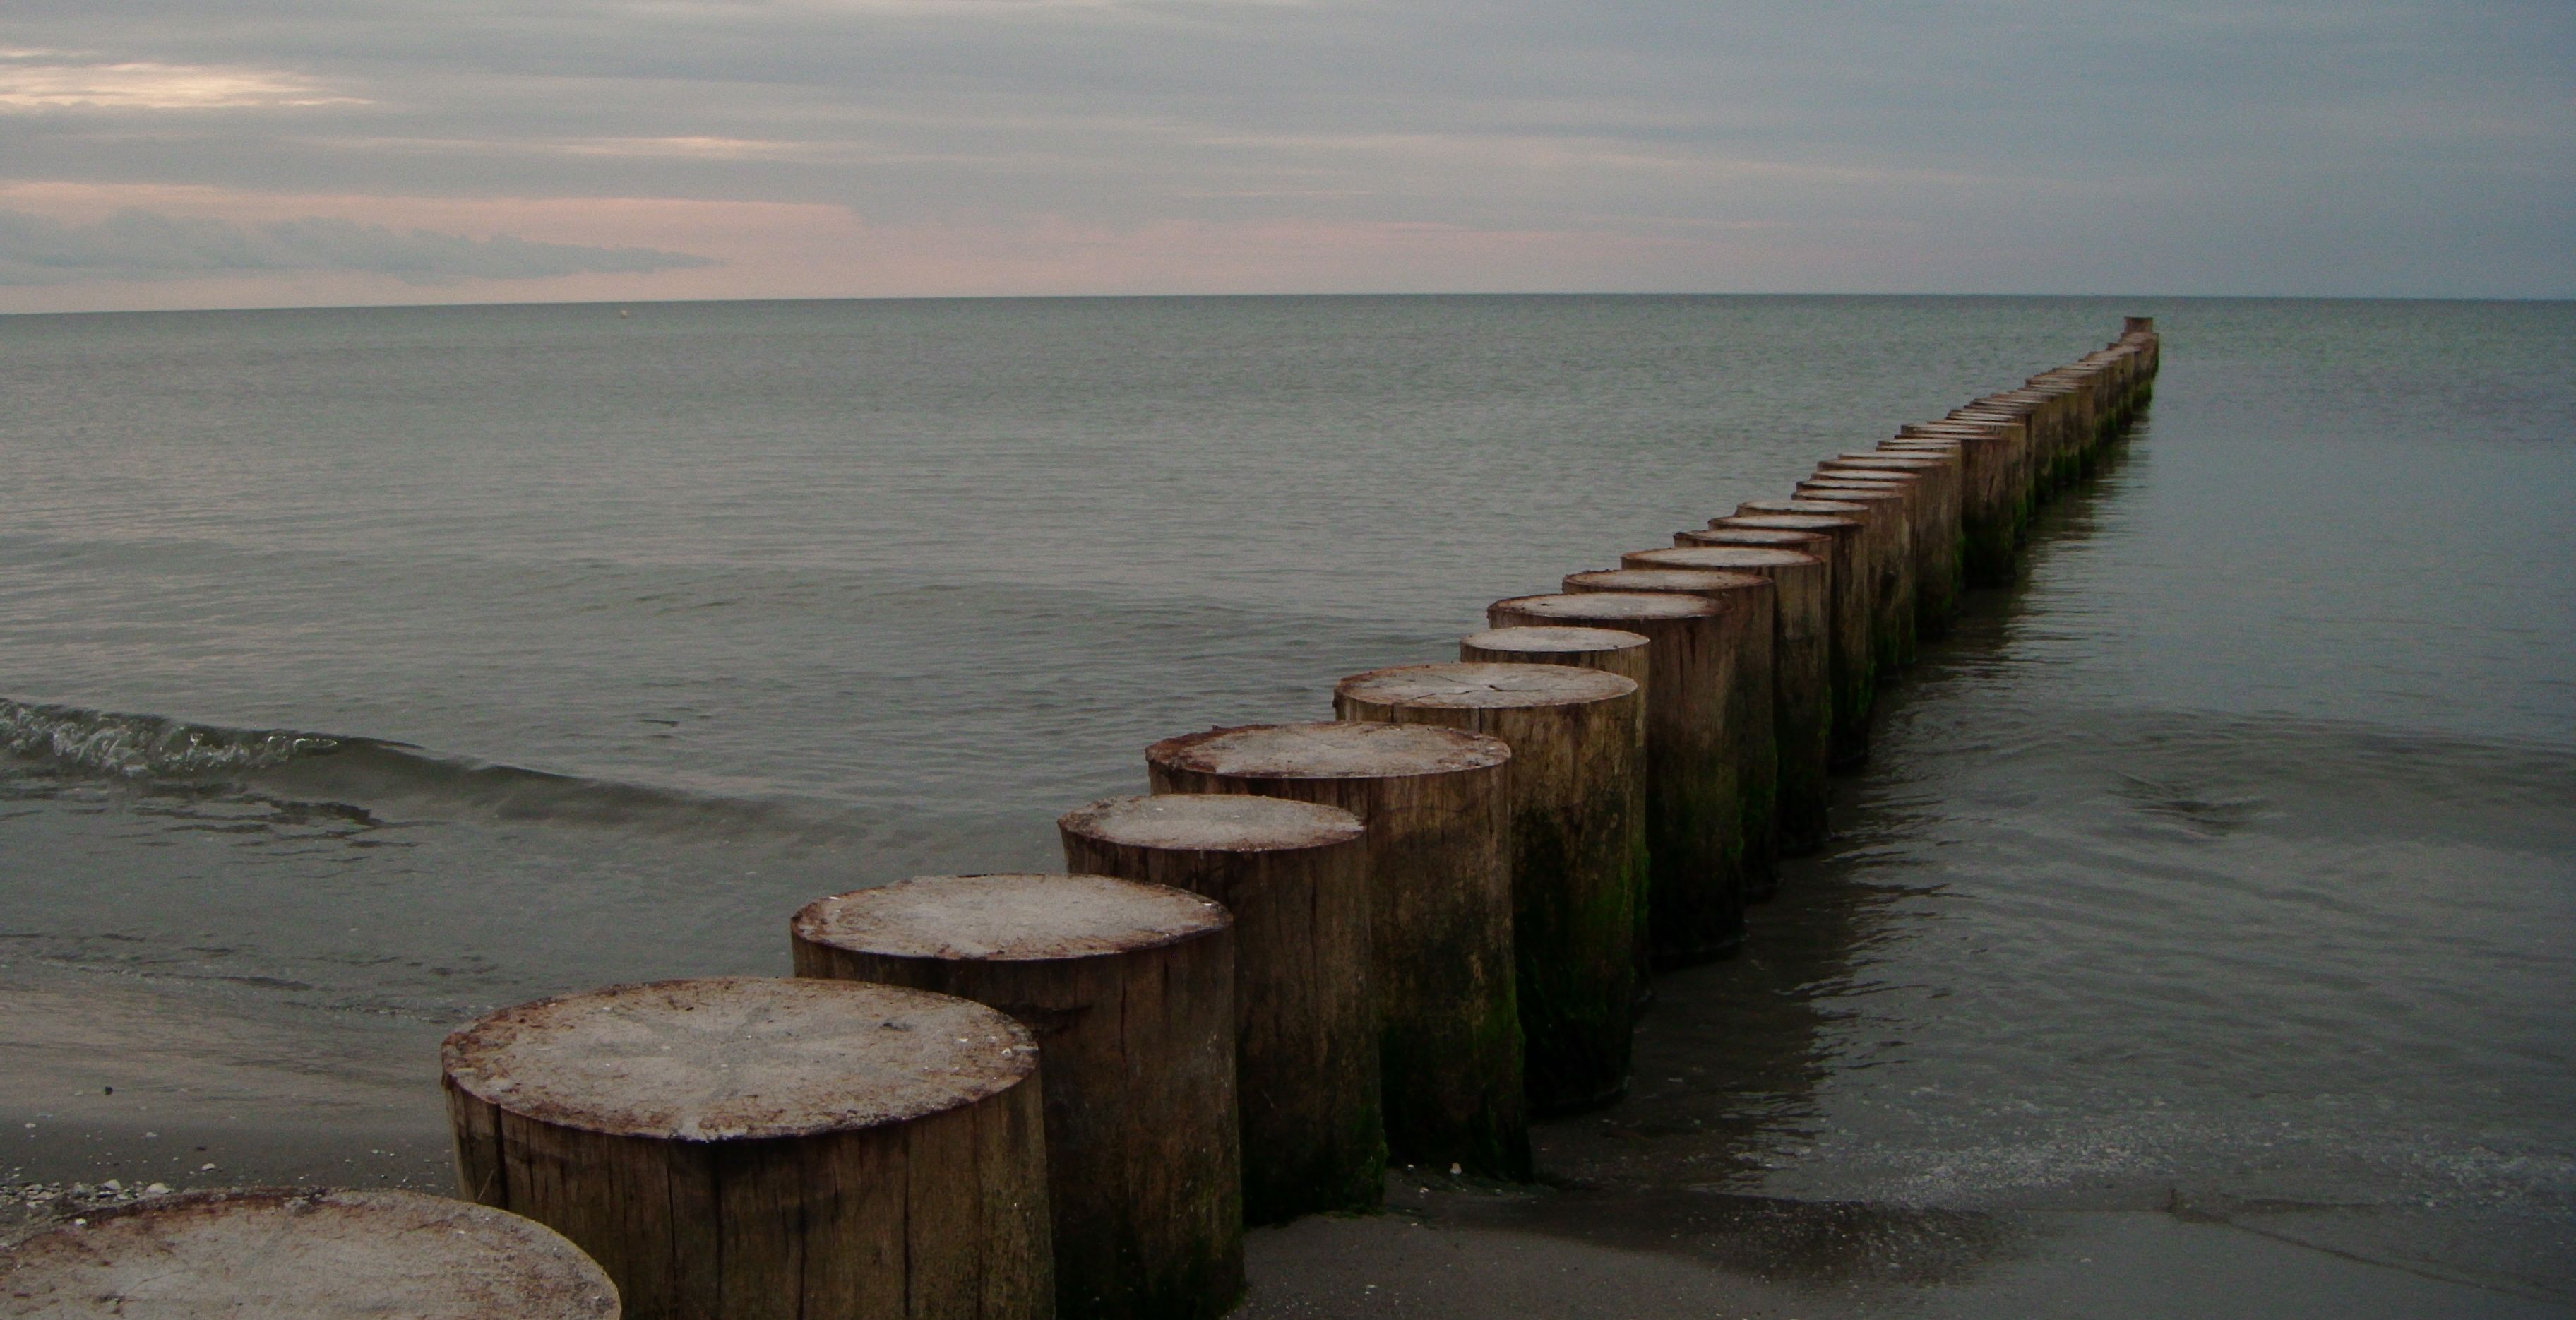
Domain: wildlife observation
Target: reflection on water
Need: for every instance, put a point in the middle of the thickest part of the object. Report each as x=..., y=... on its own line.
x=2071, y=954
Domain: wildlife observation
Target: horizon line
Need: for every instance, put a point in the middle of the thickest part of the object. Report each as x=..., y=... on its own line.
x=1214, y=297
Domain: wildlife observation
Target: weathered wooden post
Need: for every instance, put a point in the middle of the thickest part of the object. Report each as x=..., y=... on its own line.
x=302, y=1254
x=1611, y=650
x=1848, y=664
x=1799, y=566
x=1995, y=508
x=1578, y=817
x=758, y=1147
x=1937, y=544
x=1751, y=719
x=2066, y=395
x=1129, y=991
x=1884, y=526
x=1436, y=804
x=1696, y=884
x=1922, y=525
x=1295, y=875
x=2039, y=427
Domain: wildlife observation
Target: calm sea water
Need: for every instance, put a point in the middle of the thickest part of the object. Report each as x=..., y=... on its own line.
x=368, y=669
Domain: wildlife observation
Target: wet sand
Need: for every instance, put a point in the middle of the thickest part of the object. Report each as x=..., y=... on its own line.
x=117, y=1090
x=1633, y=1257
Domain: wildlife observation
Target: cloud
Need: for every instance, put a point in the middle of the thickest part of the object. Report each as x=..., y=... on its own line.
x=137, y=244
x=145, y=85
x=2371, y=146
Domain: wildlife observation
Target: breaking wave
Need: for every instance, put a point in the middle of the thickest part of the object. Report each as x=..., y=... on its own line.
x=305, y=766
x=147, y=746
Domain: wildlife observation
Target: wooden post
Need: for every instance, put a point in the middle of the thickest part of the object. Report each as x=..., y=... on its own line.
x=1295, y=875
x=1891, y=540
x=303, y=1254
x=1578, y=849
x=1436, y=803
x=1129, y=990
x=748, y=1147
x=1993, y=510
x=1848, y=667
x=1937, y=544
x=1695, y=883
x=1611, y=650
x=1751, y=715
x=1922, y=529
x=2023, y=408
x=1799, y=566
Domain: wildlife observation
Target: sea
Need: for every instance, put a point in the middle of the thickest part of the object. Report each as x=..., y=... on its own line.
x=364, y=670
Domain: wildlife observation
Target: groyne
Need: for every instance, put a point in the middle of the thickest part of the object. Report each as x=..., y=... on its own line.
x=1412, y=927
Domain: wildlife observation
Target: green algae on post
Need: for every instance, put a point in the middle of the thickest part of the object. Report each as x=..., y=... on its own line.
x=1436, y=805
x=1578, y=824
x=1295, y=876
x=1695, y=885
x=1798, y=565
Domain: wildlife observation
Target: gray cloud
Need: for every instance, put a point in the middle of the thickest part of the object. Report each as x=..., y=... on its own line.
x=136, y=244
x=2193, y=146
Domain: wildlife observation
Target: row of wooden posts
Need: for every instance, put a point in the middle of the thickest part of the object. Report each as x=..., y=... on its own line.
x=1315, y=948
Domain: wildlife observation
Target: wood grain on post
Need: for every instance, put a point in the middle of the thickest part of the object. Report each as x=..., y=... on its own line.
x=1295, y=876
x=1128, y=989
x=1891, y=540
x=1922, y=524
x=1938, y=544
x=1799, y=565
x=1850, y=672
x=1578, y=849
x=1436, y=803
x=2039, y=430
x=2016, y=423
x=1751, y=716
x=752, y=1147
x=1611, y=650
x=1695, y=886
x=2071, y=405
x=302, y=1254
x=1992, y=510
x=2037, y=440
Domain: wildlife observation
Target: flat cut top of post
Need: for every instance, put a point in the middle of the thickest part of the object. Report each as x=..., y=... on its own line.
x=1696, y=580
x=1855, y=492
x=1614, y=605
x=1835, y=469
x=1009, y=918
x=1537, y=639
x=1332, y=750
x=1724, y=556
x=738, y=1057
x=1787, y=522
x=1212, y=822
x=1734, y=534
x=1799, y=506
x=303, y=1254
x=1478, y=685
x=1880, y=458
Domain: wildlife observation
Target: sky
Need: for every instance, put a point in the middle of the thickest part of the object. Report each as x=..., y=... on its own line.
x=175, y=153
